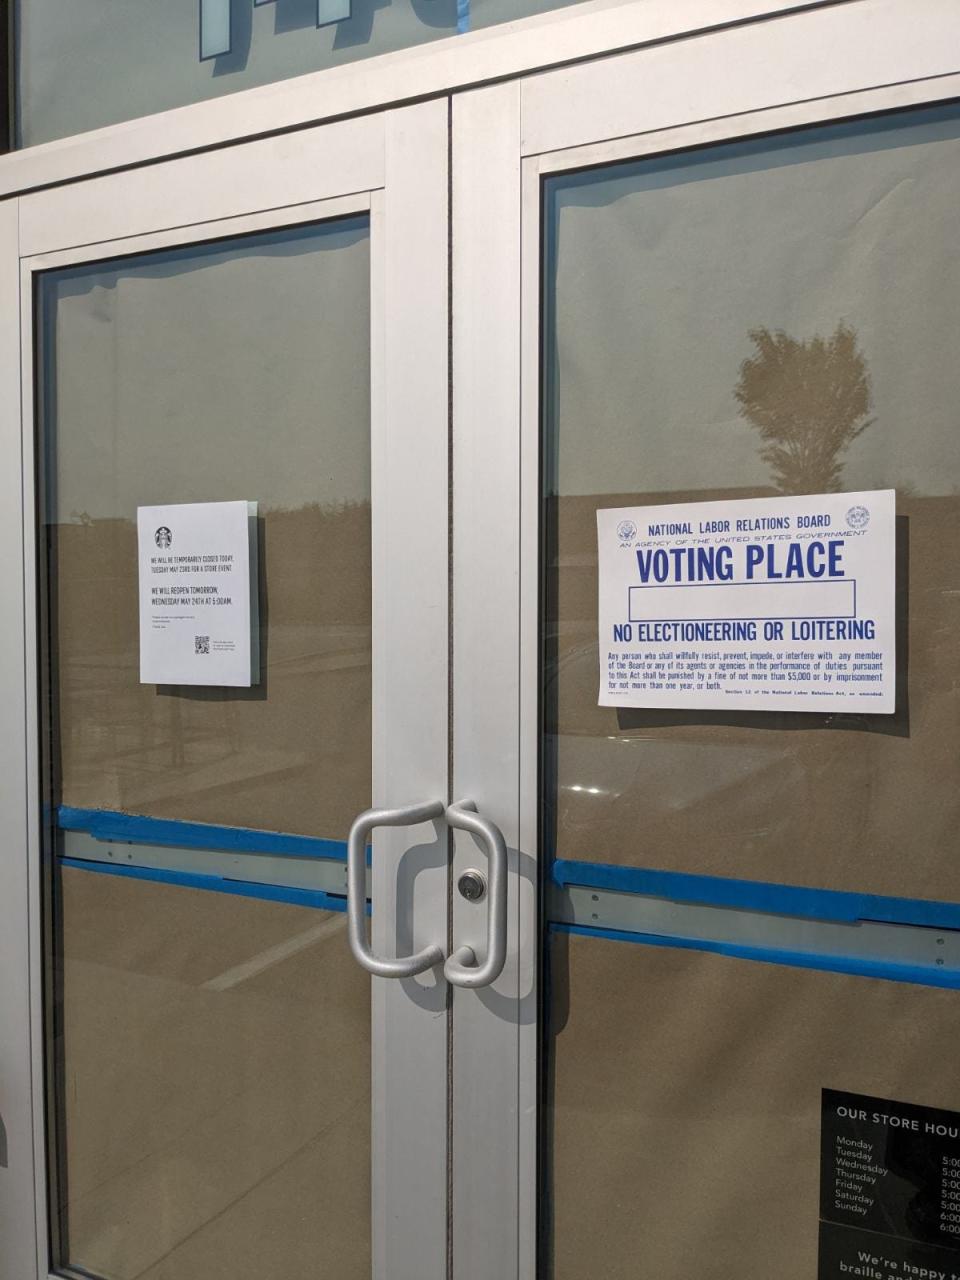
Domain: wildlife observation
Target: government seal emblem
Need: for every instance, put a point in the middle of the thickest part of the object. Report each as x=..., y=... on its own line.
x=858, y=517
x=626, y=530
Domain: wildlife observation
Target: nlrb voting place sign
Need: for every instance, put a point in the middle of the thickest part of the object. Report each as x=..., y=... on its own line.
x=769, y=604
x=199, y=617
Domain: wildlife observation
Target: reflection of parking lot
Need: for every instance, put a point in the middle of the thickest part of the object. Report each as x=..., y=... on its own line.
x=620, y=795
x=686, y=1099
x=185, y=755
x=797, y=800
x=216, y=1080
x=292, y=754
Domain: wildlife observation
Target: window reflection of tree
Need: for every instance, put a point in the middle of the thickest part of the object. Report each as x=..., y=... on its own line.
x=809, y=401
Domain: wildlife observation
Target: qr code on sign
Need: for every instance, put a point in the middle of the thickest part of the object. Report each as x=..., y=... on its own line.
x=201, y=644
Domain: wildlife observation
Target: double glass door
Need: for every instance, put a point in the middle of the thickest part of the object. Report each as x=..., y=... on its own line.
x=401, y=955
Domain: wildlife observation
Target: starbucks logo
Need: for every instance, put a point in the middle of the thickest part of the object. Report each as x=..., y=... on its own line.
x=163, y=537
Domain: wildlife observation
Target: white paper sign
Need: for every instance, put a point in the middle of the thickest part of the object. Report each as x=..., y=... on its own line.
x=199, y=618
x=771, y=604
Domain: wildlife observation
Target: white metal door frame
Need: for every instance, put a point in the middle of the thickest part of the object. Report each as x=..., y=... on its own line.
x=394, y=167
x=17, y=1155
x=794, y=69
x=802, y=63
x=549, y=39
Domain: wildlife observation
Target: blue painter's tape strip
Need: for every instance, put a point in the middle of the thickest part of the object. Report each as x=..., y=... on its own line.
x=752, y=895
x=241, y=888
x=463, y=17
x=915, y=974
x=104, y=824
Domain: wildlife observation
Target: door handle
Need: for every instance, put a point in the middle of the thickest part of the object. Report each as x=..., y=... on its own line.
x=461, y=967
x=381, y=966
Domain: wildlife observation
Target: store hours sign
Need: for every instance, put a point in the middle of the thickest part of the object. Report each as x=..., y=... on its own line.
x=775, y=604
x=199, y=617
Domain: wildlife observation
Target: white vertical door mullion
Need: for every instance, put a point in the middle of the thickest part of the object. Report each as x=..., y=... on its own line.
x=18, y=1232
x=39, y=925
x=410, y=728
x=529, y=678
x=494, y=1028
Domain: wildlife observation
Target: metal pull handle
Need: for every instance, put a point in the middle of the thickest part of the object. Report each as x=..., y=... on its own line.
x=403, y=966
x=462, y=968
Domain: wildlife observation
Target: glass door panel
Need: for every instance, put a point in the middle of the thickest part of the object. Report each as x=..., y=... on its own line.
x=740, y=906
x=687, y=274
x=210, y=1059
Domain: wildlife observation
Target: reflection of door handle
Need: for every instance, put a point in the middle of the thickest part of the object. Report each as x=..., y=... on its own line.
x=403, y=966
x=462, y=968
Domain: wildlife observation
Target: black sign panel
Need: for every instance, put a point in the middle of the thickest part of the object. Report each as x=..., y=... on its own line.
x=889, y=1190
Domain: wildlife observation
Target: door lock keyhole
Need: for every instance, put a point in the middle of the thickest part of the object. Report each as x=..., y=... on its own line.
x=472, y=885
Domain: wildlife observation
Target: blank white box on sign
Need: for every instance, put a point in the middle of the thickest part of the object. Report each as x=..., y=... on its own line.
x=743, y=601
